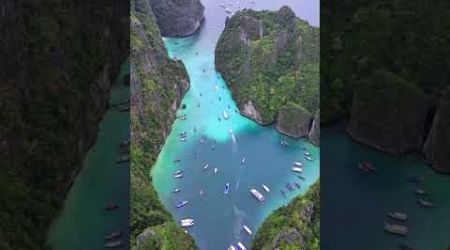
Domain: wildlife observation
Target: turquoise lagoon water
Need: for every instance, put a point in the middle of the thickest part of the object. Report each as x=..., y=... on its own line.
x=82, y=223
x=219, y=217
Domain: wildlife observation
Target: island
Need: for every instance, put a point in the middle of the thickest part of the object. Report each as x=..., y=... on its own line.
x=270, y=61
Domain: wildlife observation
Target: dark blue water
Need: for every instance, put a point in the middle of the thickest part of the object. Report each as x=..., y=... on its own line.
x=355, y=204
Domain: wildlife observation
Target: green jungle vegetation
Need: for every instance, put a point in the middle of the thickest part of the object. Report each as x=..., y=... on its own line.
x=293, y=227
x=408, y=38
x=50, y=104
x=275, y=70
x=151, y=119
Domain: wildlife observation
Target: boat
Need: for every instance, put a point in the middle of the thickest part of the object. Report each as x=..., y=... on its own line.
x=284, y=143
x=215, y=170
x=176, y=160
x=227, y=188
x=299, y=164
x=184, y=133
x=300, y=177
x=225, y=115
x=183, y=139
x=420, y=191
x=297, y=185
x=396, y=229
x=362, y=168
x=230, y=131
x=247, y=229
x=282, y=193
x=111, y=207
x=243, y=160
x=289, y=186
x=309, y=158
x=425, y=203
x=222, y=5
x=398, y=216
x=178, y=172
x=297, y=169
x=228, y=10
x=113, y=244
x=257, y=195
x=241, y=246
x=187, y=222
x=201, y=193
x=369, y=166
x=181, y=204
x=113, y=235
x=266, y=188
x=178, y=175
x=176, y=190
x=232, y=248
x=307, y=154
x=206, y=167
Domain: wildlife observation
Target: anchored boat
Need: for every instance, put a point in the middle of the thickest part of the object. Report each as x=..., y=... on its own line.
x=113, y=244
x=257, y=195
x=266, y=188
x=113, y=235
x=297, y=169
x=241, y=246
x=298, y=164
x=396, y=229
x=181, y=204
x=247, y=229
x=398, y=216
x=227, y=188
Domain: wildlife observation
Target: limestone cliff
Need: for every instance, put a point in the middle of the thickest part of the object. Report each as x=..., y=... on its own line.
x=178, y=18
x=437, y=146
x=58, y=60
x=388, y=113
x=270, y=60
x=157, y=87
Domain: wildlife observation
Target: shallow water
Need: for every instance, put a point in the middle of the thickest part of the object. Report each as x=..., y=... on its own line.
x=82, y=223
x=355, y=204
x=219, y=217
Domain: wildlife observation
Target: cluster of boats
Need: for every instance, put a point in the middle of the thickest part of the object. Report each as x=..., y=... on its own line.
x=124, y=152
x=239, y=246
x=113, y=239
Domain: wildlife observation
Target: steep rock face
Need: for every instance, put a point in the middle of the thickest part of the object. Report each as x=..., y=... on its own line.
x=295, y=226
x=178, y=18
x=270, y=61
x=55, y=86
x=388, y=113
x=294, y=120
x=314, y=133
x=437, y=146
x=157, y=87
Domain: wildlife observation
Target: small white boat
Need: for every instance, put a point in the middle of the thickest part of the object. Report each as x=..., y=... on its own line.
x=231, y=248
x=425, y=203
x=257, y=195
x=309, y=158
x=215, y=170
x=176, y=190
x=299, y=164
x=222, y=5
x=228, y=10
x=230, y=131
x=227, y=188
x=266, y=188
x=243, y=160
x=398, y=216
x=297, y=169
x=187, y=220
x=247, y=229
x=183, y=139
x=178, y=175
x=113, y=244
x=307, y=154
x=206, y=167
x=241, y=246
x=187, y=224
x=420, y=191
x=178, y=172
x=225, y=115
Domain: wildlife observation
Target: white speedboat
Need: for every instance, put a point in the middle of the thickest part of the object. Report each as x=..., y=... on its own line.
x=206, y=167
x=247, y=229
x=225, y=115
x=297, y=169
x=241, y=246
x=299, y=164
x=266, y=188
x=215, y=170
x=257, y=195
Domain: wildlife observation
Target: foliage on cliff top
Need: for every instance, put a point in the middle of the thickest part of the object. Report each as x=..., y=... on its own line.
x=271, y=58
x=155, y=87
x=407, y=37
x=293, y=220
x=55, y=52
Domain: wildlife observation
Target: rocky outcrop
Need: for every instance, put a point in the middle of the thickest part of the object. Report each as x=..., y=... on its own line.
x=55, y=86
x=294, y=120
x=270, y=60
x=388, y=113
x=157, y=87
x=314, y=133
x=437, y=146
x=178, y=18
